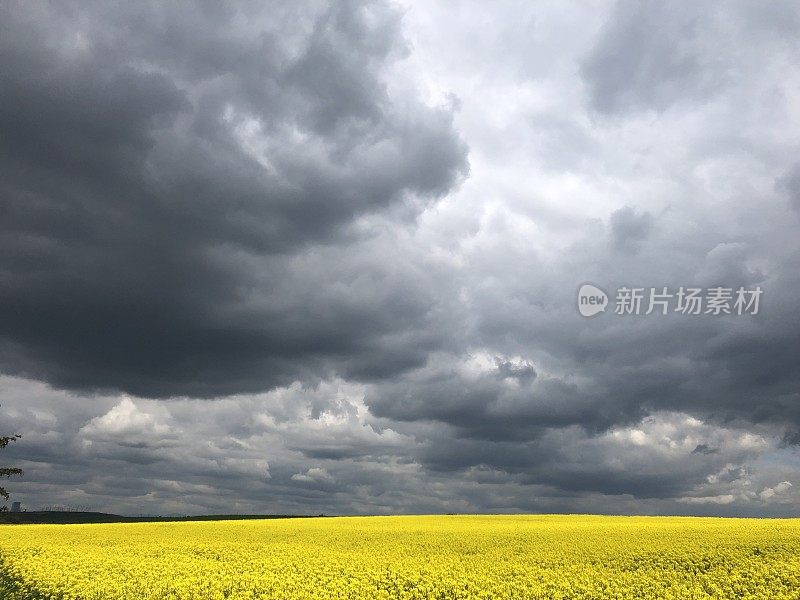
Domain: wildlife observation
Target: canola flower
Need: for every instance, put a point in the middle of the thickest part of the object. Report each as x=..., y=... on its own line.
x=436, y=557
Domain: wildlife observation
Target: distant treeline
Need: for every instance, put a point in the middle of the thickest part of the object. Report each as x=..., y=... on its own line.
x=76, y=517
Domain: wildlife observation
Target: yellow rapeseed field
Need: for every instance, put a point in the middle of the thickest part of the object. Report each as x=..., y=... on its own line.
x=443, y=557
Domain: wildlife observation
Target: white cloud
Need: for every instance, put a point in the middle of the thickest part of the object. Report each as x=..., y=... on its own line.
x=127, y=419
x=312, y=475
x=721, y=499
x=770, y=492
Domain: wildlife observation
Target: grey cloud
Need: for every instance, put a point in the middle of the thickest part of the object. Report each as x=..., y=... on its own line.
x=156, y=190
x=484, y=404
x=790, y=184
x=629, y=227
x=649, y=56
x=520, y=371
x=654, y=458
x=232, y=455
x=273, y=211
x=654, y=56
x=704, y=449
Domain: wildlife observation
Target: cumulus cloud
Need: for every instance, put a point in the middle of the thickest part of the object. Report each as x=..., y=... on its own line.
x=125, y=418
x=312, y=451
x=769, y=492
x=313, y=475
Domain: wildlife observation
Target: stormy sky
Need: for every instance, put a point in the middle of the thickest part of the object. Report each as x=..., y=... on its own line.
x=315, y=257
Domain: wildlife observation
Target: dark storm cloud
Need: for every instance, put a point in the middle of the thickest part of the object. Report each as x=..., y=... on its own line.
x=161, y=167
x=488, y=404
x=613, y=369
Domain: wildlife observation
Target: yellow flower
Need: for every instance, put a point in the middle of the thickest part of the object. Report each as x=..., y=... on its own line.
x=440, y=557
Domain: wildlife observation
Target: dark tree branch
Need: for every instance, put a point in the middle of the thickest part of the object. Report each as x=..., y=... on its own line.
x=7, y=439
x=8, y=471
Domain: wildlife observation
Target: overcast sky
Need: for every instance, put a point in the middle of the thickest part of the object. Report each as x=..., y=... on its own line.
x=323, y=258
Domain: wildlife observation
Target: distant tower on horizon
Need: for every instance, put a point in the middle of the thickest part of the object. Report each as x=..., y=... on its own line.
x=16, y=507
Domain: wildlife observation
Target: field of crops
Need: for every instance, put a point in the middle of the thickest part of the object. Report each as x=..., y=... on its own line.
x=406, y=557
